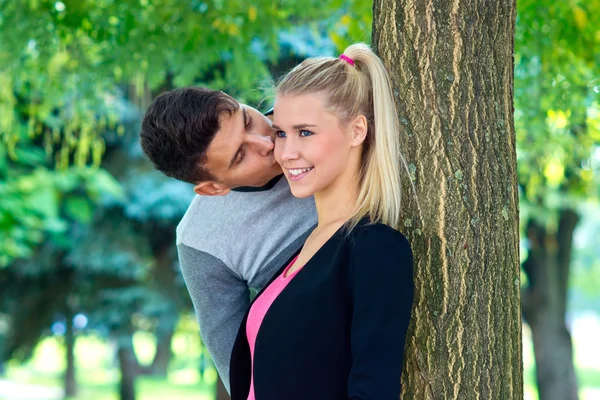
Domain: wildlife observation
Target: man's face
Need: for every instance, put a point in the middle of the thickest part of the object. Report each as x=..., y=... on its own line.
x=241, y=154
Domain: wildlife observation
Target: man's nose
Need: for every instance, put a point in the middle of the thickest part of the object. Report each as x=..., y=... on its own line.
x=264, y=144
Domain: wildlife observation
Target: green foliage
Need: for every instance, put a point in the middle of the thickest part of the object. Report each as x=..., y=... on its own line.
x=353, y=23
x=23, y=218
x=557, y=102
x=64, y=63
x=37, y=202
x=557, y=122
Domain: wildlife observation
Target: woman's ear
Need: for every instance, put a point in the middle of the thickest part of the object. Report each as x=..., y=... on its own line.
x=359, y=129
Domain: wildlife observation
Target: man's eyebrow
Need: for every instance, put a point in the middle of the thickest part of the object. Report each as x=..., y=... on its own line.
x=297, y=127
x=245, y=114
x=235, y=156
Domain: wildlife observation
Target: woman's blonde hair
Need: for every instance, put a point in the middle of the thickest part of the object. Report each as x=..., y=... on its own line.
x=352, y=90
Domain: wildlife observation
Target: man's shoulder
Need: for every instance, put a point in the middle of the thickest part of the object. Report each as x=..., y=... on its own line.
x=247, y=230
x=212, y=219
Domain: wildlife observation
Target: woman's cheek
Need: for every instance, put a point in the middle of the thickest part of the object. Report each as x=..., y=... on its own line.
x=277, y=150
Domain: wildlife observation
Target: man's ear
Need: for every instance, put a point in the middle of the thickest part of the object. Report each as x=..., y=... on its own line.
x=211, y=188
x=359, y=128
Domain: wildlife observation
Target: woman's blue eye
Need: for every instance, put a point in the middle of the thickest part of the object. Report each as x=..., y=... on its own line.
x=303, y=133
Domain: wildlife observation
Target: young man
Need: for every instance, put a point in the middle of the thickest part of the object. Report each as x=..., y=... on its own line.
x=244, y=224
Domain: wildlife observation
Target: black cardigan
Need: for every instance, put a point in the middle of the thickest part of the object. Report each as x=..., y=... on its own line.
x=337, y=331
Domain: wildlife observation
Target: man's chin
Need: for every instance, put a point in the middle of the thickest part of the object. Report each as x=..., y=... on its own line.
x=268, y=180
x=274, y=172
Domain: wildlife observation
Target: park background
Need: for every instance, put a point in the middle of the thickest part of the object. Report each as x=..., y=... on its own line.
x=92, y=303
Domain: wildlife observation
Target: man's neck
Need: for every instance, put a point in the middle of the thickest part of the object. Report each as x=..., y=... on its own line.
x=250, y=189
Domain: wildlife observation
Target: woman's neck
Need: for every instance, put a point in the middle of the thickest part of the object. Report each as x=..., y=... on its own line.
x=336, y=203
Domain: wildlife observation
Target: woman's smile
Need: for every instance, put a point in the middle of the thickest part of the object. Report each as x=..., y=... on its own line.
x=298, y=173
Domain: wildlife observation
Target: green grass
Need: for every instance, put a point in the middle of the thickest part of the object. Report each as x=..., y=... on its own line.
x=148, y=389
x=98, y=377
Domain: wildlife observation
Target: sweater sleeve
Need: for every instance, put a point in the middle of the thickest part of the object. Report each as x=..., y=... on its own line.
x=381, y=286
x=220, y=301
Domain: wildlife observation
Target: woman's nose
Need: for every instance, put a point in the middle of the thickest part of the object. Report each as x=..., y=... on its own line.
x=288, y=149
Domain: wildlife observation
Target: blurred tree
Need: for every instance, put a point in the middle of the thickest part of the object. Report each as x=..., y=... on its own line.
x=585, y=277
x=35, y=290
x=136, y=236
x=452, y=72
x=114, y=261
x=557, y=86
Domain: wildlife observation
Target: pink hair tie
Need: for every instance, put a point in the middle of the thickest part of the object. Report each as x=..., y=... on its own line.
x=347, y=59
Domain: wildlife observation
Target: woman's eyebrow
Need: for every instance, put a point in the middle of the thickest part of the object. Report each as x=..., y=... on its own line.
x=299, y=126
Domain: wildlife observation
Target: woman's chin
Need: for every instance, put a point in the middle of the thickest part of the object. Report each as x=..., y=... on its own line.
x=300, y=193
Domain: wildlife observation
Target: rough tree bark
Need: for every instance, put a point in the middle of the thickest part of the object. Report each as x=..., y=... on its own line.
x=545, y=305
x=451, y=64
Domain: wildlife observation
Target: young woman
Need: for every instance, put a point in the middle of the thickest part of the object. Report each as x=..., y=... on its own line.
x=332, y=322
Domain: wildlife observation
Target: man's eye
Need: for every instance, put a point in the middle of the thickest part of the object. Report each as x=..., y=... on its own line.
x=280, y=134
x=241, y=157
x=305, y=133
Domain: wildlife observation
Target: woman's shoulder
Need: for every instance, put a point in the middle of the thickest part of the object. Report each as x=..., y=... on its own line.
x=376, y=247
x=368, y=228
x=375, y=235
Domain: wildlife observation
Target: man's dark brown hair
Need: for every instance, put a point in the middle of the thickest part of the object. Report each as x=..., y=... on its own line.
x=179, y=126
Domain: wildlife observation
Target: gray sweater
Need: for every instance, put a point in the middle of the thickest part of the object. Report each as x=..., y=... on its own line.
x=227, y=245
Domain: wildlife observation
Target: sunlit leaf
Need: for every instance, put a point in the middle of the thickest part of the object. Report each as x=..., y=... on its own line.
x=79, y=209
x=554, y=172
x=580, y=15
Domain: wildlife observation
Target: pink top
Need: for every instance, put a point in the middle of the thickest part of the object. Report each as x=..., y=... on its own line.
x=258, y=310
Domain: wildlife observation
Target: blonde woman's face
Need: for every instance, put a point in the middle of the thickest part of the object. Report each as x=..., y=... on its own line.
x=310, y=145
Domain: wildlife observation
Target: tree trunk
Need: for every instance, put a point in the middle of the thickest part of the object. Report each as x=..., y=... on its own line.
x=545, y=304
x=221, y=391
x=129, y=368
x=451, y=65
x=160, y=363
x=70, y=382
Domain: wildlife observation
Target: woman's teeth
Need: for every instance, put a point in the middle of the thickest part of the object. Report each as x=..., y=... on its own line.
x=296, y=172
